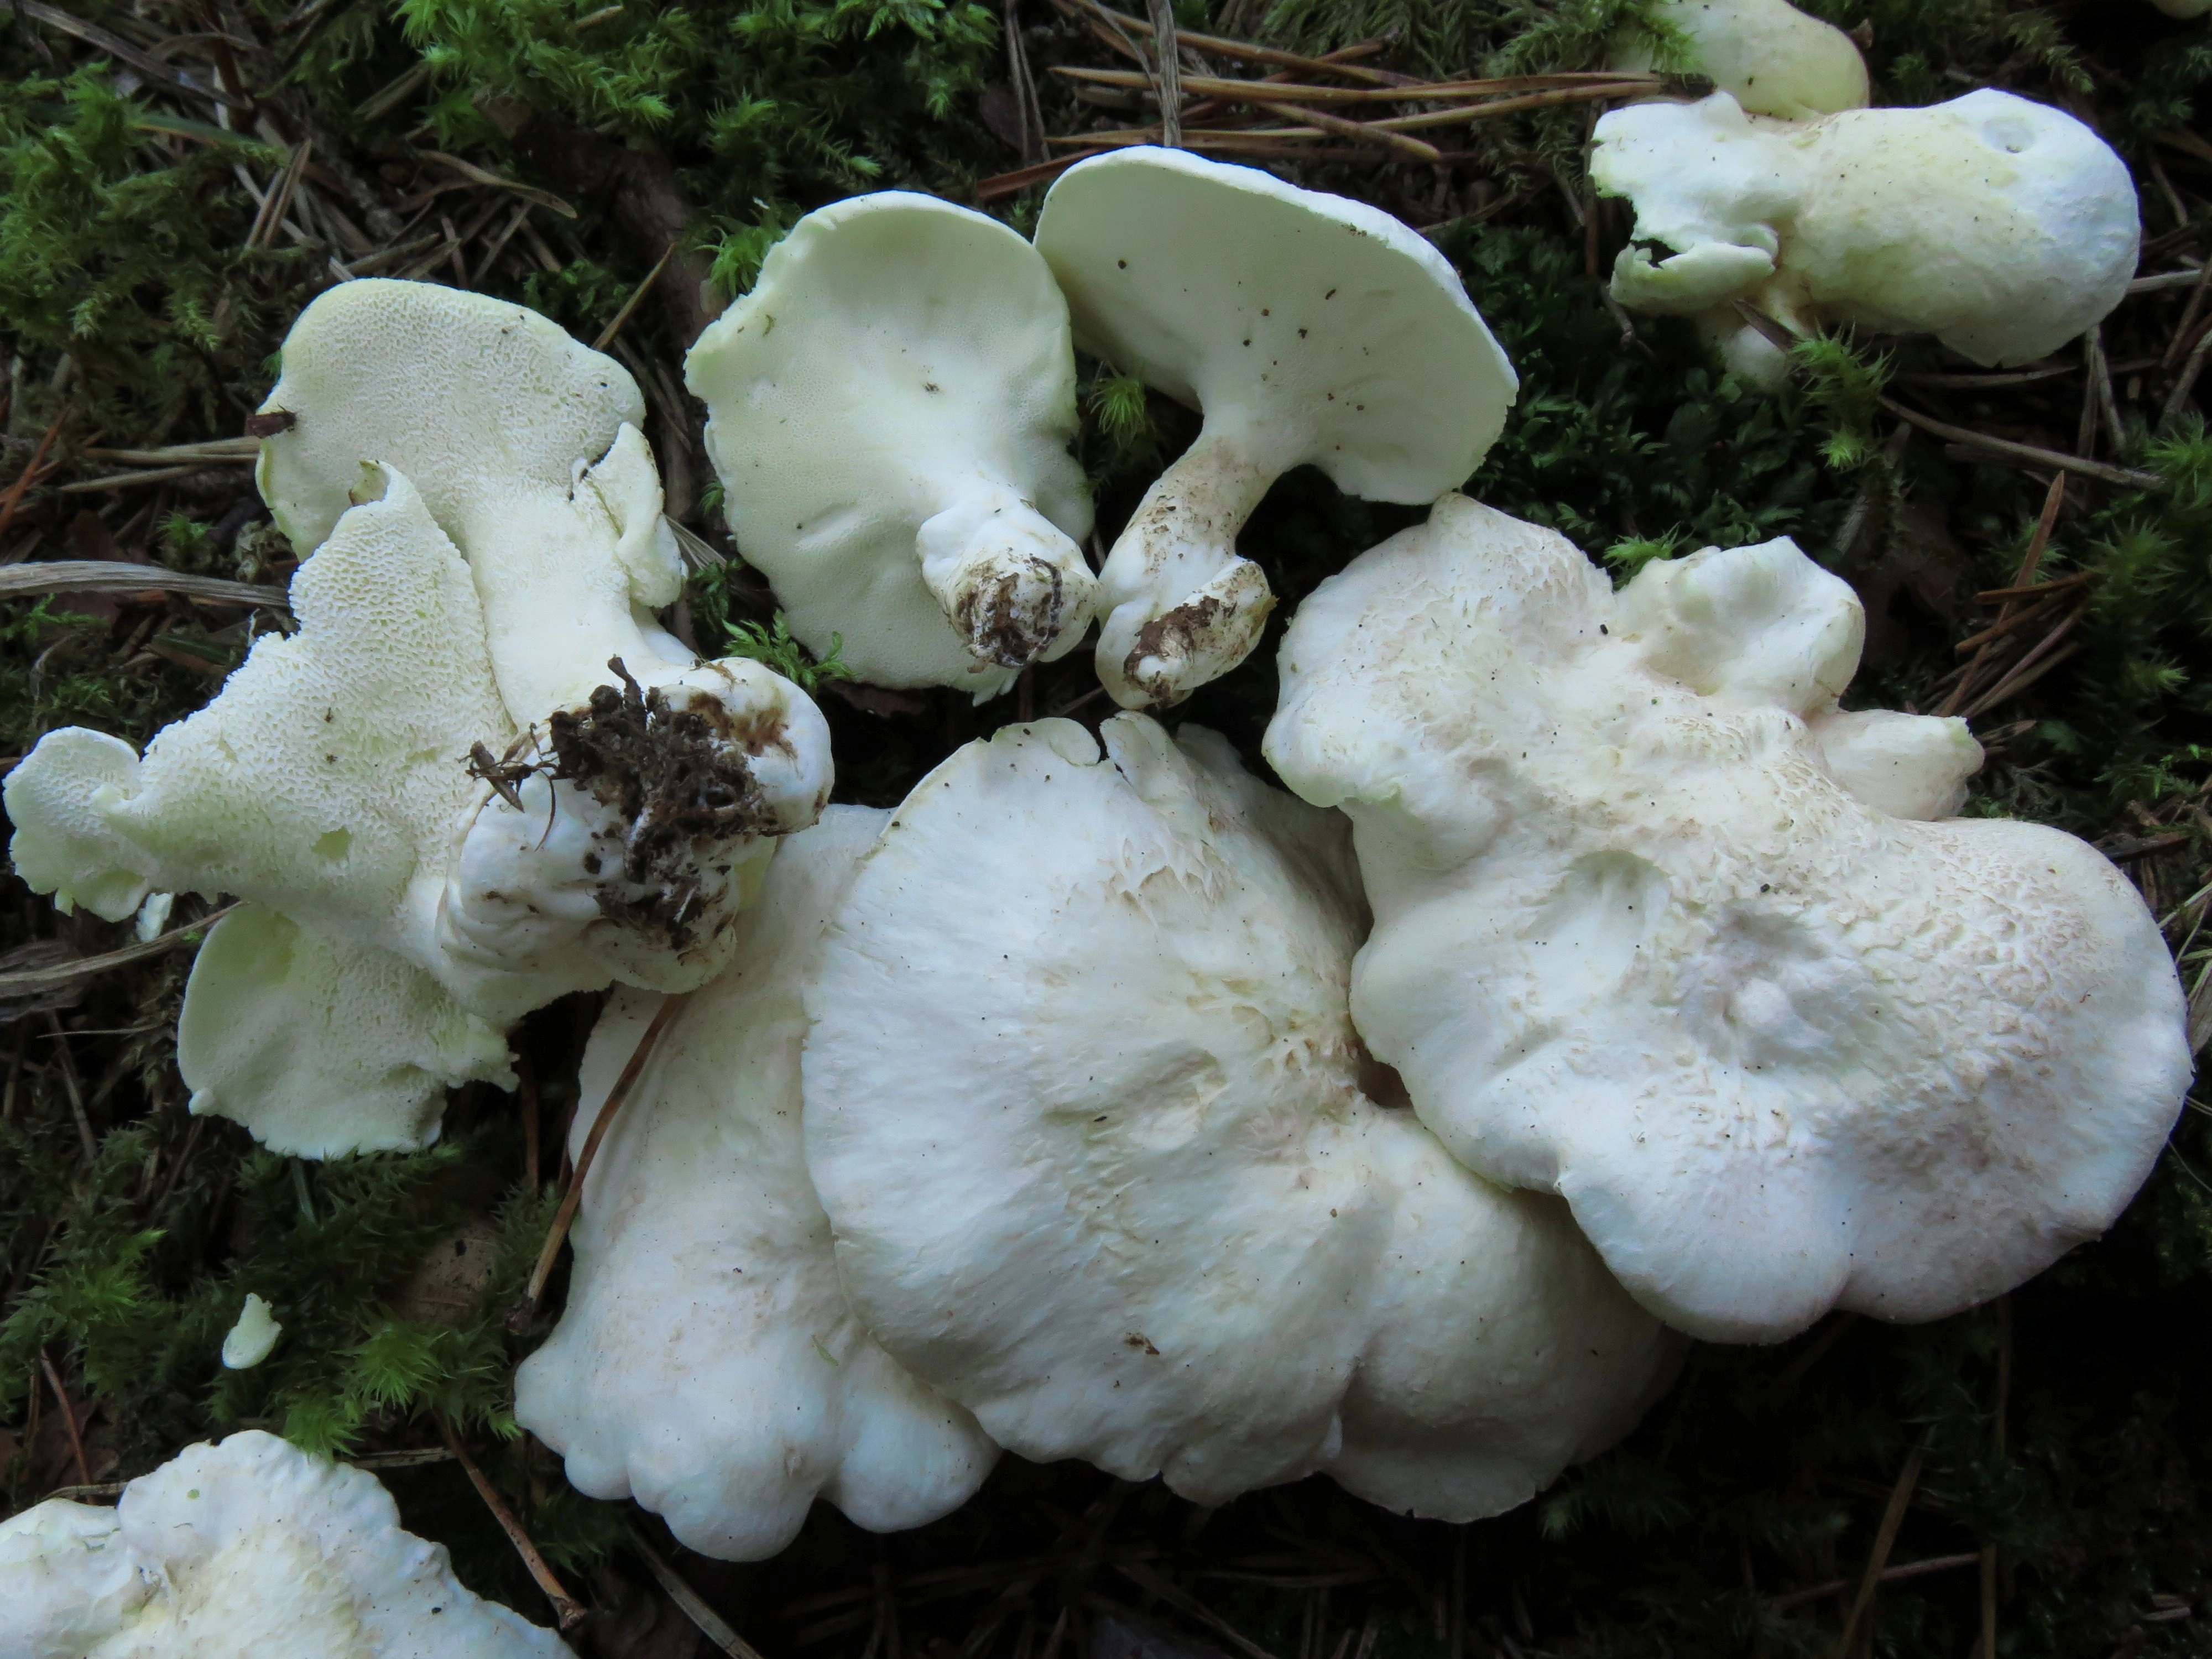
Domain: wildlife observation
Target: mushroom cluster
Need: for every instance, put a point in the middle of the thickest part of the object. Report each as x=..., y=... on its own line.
x=1598, y=981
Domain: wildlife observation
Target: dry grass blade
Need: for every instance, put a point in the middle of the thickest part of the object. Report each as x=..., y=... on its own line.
x=1904, y=1569
x=476, y=175
x=1167, y=69
x=31, y=470
x=710, y=1623
x=119, y=481
x=1420, y=151
x=1222, y=47
x=119, y=49
x=1885, y=1537
x=68, y=1418
x=636, y=297
x=1234, y=91
x=2128, y=477
x=2046, y=521
x=31, y=981
x=525, y=1309
x=213, y=451
x=107, y=577
x=1158, y=1584
x=568, y=1611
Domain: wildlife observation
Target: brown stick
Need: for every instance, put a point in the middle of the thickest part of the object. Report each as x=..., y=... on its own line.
x=568, y=1611
x=1903, y=1570
x=2126, y=477
x=2046, y=521
x=1370, y=131
x=1234, y=91
x=636, y=295
x=525, y=1310
x=69, y=1418
x=14, y=498
x=1885, y=1537
x=1167, y=69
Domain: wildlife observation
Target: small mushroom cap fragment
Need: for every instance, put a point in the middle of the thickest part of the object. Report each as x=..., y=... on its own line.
x=2003, y=226
x=889, y=412
x=708, y=1364
x=254, y=1550
x=1093, y=1145
x=1308, y=328
x=1767, y=55
x=251, y=1338
x=1638, y=943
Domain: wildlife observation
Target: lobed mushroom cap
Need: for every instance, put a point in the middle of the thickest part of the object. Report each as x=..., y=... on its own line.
x=2003, y=226
x=1637, y=944
x=251, y=1548
x=475, y=399
x=1770, y=56
x=1319, y=329
x=708, y=1364
x=897, y=352
x=321, y=1046
x=1094, y=1147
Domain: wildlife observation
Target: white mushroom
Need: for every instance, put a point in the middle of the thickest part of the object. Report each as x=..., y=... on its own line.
x=402, y=914
x=889, y=412
x=1094, y=1145
x=708, y=1364
x=1637, y=942
x=2005, y=228
x=327, y=784
x=1309, y=330
x=1767, y=55
x=252, y=1549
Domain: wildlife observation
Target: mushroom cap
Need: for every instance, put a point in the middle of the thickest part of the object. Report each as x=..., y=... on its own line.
x=1637, y=944
x=708, y=1364
x=251, y=1338
x=897, y=354
x=1094, y=1148
x=2002, y=226
x=1320, y=329
x=328, y=774
x=1769, y=56
x=322, y=1047
x=474, y=398
x=251, y=1548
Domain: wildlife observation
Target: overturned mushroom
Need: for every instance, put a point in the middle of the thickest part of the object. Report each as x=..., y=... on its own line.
x=708, y=1364
x=249, y=1547
x=424, y=862
x=1767, y=55
x=1099, y=1163
x=1308, y=328
x=2003, y=226
x=889, y=412
x=1648, y=935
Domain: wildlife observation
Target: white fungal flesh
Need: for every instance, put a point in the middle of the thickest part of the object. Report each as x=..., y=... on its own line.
x=2003, y=226
x=1099, y=1165
x=1309, y=329
x=708, y=1364
x=1638, y=943
x=890, y=410
x=1767, y=55
x=250, y=1548
x=413, y=901
x=252, y=1340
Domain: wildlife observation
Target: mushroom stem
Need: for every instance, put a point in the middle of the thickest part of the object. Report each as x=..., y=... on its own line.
x=1008, y=579
x=1183, y=608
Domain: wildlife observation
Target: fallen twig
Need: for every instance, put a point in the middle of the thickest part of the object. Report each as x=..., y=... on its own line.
x=1885, y=1537
x=568, y=1611
x=526, y=1307
x=30, y=981
x=2127, y=476
x=112, y=576
x=710, y=1623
